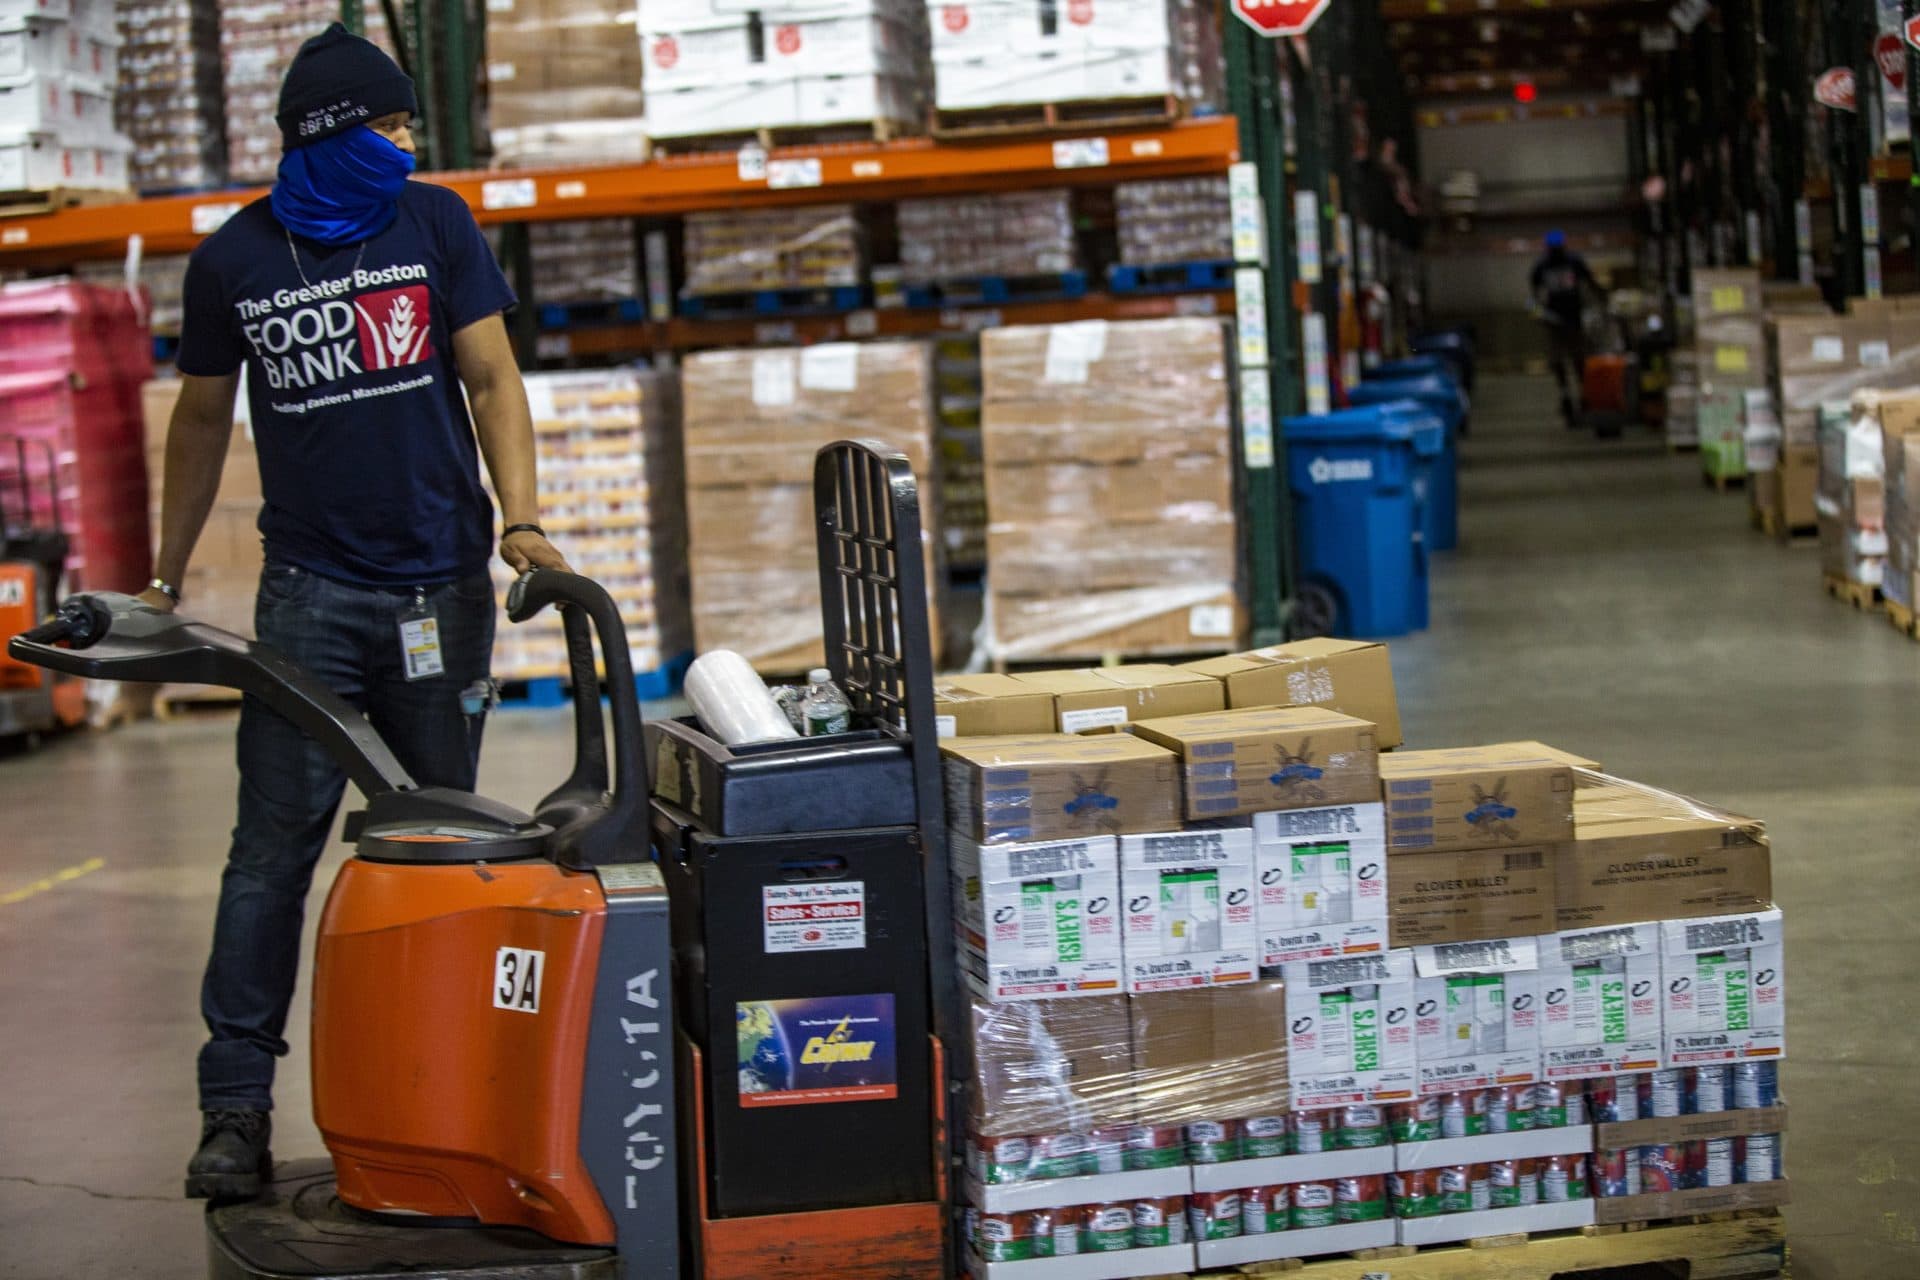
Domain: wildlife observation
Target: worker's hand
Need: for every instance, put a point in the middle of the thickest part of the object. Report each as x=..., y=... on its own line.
x=154, y=598
x=528, y=550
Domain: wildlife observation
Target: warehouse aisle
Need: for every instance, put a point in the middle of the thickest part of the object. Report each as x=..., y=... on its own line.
x=1601, y=600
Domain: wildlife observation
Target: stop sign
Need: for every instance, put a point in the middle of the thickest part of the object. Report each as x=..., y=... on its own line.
x=1913, y=32
x=1280, y=17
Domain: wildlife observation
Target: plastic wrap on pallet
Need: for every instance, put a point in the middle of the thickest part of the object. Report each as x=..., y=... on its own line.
x=1850, y=498
x=1014, y=233
x=1900, y=452
x=591, y=260
x=563, y=82
x=755, y=418
x=808, y=247
x=1173, y=220
x=610, y=496
x=1087, y=1068
x=1111, y=523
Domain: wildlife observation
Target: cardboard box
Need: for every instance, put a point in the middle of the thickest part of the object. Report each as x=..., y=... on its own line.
x=1679, y=1204
x=1477, y=1014
x=1475, y=798
x=1189, y=898
x=1641, y=854
x=1058, y=787
x=1725, y=984
x=1050, y=1066
x=1701, y=1127
x=1353, y=677
x=1235, y=762
x=1600, y=1002
x=1321, y=879
x=975, y=706
x=1795, y=485
x=1219, y=1054
x=1350, y=1026
x=1105, y=698
x=1465, y=895
x=1039, y=921
x=1545, y=752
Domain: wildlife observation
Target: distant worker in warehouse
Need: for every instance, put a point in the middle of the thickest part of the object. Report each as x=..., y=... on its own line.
x=1558, y=290
x=359, y=305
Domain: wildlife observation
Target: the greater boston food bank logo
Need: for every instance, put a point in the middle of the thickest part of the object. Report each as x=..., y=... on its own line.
x=334, y=329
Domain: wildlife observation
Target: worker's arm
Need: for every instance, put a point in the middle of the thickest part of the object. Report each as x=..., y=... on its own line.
x=505, y=426
x=197, y=439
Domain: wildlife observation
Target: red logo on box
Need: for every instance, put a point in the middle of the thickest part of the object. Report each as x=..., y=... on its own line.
x=666, y=52
x=787, y=39
x=954, y=18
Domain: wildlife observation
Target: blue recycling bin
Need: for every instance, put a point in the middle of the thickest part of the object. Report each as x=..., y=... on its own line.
x=1454, y=344
x=1439, y=393
x=1414, y=367
x=1355, y=475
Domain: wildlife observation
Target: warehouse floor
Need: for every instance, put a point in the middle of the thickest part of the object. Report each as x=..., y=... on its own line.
x=1601, y=600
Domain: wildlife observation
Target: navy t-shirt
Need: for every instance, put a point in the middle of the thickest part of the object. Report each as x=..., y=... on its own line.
x=369, y=468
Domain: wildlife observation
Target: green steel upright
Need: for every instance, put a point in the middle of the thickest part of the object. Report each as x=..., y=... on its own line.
x=1254, y=95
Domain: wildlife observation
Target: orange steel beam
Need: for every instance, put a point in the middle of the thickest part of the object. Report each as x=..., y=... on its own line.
x=685, y=184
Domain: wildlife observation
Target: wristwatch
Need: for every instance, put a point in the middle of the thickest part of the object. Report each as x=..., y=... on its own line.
x=166, y=589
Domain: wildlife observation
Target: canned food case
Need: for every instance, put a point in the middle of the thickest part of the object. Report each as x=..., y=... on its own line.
x=1529, y=1144
x=1298, y=1243
x=1088, y=1188
x=1120, y=1265
x=1445, y=1228
x=1274, y=1171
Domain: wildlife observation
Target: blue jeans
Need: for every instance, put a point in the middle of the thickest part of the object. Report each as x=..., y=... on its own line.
x=349, y=638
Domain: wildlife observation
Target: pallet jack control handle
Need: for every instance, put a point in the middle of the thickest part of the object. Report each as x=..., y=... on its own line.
x=595, y=823
x=108, y=636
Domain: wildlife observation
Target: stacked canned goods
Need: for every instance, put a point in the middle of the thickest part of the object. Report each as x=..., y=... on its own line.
x=1506, y=1109
x=1088, y=1228
x=1496, y=1184
x=1684, y=1166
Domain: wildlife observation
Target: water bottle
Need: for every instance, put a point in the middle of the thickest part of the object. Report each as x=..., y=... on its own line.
x=825, y=708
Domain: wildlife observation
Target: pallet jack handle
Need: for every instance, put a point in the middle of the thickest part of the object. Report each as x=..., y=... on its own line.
x=594, y=823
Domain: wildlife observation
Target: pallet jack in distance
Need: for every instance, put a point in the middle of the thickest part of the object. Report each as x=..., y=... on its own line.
x=495, y=1016
x=33, y=559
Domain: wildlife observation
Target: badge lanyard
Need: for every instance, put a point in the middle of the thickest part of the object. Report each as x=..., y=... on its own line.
x=420, y=640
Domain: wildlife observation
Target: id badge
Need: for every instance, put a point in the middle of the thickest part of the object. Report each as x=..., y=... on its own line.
x=420, y=641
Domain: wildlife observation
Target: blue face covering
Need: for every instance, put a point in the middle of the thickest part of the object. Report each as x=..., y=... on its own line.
x=343, y=188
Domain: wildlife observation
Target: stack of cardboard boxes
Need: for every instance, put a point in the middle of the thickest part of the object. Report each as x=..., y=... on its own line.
x=1015, y=233
x=1173, y=220
x=608, y=446
x=1110, y=511
x=1240, y=963
x=59, y=65
x=1900, y=455
x=998, y=53
x=1851, y=502
x=1730, y=354
x=168, y=97
x=257, y=42
x=754, y=419
x=807, y=247
x=716, y=68
x=589, y=260
x=563, y=82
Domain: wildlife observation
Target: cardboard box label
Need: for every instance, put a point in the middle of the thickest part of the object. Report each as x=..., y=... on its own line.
x=1468, y=895
x=1092, y=718
x=1322, y=882
x=1189, y=903
x=1350, y=1029
x=1600, y=994
x=1827, y=350
x=1729, y=298
x=1730, y=359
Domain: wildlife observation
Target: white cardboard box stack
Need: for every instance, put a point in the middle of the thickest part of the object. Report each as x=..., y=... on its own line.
x=993, y=53
x=59, y=63
x=715, y=67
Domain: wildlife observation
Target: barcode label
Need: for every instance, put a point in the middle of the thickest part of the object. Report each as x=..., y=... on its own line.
x=1530, y=861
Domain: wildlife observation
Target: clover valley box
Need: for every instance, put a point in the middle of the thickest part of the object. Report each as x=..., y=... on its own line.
x=1254, y=761
x=1476, y=798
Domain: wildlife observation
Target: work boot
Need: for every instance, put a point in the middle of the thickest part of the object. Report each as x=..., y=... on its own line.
x=232, y=1162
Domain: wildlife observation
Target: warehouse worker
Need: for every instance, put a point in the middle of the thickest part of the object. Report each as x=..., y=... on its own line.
x=360, y=305
x=1558, y=289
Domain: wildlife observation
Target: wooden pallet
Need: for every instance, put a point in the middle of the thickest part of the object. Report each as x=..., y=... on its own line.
x=1747, y=1246
x=769, y=137
x=1775, y=526
x=1902, y=619
x=23, y=204
x=1723, y=484
x=1052, y=117
x=1860, y=595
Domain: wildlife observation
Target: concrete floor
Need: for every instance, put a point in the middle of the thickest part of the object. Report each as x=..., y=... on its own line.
x=1601, y=600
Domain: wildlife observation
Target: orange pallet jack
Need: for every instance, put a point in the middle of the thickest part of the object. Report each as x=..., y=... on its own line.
x=511, y=1067
x=33, y=559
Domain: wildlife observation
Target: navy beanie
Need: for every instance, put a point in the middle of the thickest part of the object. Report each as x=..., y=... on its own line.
x=339, y=80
